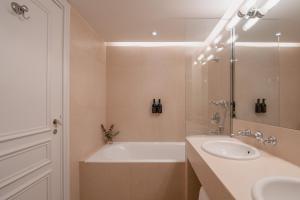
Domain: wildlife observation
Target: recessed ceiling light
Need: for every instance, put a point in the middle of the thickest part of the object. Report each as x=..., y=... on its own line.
x=154, y=33
x=219, y=48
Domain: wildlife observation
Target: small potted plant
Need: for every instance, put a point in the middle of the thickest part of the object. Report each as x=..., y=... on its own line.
x=109, y=134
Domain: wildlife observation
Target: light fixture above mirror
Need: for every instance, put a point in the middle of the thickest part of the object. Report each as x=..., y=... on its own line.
x=251, y=13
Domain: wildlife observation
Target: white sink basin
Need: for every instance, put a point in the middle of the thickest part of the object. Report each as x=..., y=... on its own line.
x=277, y=188
x=231, y=150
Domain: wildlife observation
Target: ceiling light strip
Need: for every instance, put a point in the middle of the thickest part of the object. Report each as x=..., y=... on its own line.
x=233, y=8
x=224, y=20
x=154, y=44
x=268, y=44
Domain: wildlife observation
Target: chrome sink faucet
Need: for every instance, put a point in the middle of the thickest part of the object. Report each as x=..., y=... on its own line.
x=248, y=133
x=271, y=140
x=259, y=136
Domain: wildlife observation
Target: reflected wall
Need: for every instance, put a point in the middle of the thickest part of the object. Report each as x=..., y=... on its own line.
x=267, y=67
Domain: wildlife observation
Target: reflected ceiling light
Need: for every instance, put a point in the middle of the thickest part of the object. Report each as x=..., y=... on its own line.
x=232, y=39
x=204, y=63
x=218, y=39
x=242, y=12
x=200, y=57
x=234, y=21
x=210, y=57
x=250, y=23
x=232, y=9
x=219, y=27
x=208, y=49
x=268, y=44
x=268, y=6
x=247, y=6
x=257, y=14
x=220, y=48
x=195, y=62
x=154, y=33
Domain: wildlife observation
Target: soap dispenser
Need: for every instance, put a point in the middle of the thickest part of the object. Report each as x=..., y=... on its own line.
x=154, y=107
x=159, y=107
x=258, y=106
x=263, y=106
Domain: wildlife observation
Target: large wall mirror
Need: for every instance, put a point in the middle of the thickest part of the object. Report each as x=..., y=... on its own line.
x=267, y=67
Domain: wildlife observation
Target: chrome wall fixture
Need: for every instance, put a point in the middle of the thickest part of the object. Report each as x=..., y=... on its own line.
x=253, y=13
x=259, y=136
x=250, y=11
x=20, y=9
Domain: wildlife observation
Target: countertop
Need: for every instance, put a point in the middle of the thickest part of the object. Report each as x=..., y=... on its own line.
x=236, y=176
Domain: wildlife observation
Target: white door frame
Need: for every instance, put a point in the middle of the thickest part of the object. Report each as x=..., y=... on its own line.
x=66, y=98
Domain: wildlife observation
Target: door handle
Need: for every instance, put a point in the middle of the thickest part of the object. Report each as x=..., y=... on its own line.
x=56, y=122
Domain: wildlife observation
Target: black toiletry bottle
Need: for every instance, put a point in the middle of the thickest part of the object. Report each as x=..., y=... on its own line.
x=159, y=107
x=263, y=106
x=154, y=110
x=258, y=106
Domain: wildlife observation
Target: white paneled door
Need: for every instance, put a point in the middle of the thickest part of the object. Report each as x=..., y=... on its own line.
x=31, y=66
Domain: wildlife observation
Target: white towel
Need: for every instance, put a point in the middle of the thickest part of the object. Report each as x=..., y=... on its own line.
x=202, y=194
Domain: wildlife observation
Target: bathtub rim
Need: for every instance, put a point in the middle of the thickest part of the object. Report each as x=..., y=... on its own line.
x=106, y=146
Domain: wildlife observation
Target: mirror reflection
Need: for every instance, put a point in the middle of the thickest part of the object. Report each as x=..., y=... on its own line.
x=267, y=67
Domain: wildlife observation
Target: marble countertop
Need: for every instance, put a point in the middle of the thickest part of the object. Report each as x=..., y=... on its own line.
x=236, y=176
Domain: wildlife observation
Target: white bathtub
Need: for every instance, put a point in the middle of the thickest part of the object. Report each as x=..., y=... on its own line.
x=140, y=152
x=155, y=169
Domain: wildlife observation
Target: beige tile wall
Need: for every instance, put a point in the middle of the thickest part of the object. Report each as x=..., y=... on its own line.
x=257, y=76
x=88, y=89
x=273, y=74
x=135, y=76
x=289, y=140
x=289, y=88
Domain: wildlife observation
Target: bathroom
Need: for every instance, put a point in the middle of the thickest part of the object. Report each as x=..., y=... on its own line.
x=149, y=100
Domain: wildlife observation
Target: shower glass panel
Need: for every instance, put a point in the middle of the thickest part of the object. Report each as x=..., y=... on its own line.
x=208, y=88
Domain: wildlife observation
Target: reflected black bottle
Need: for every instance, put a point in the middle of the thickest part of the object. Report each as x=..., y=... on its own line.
x=258, y=106
x=263, y=106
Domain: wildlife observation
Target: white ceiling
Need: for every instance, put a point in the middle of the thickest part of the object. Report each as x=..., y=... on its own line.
x=181, y=20
x=134, y=20
x=285, y=9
